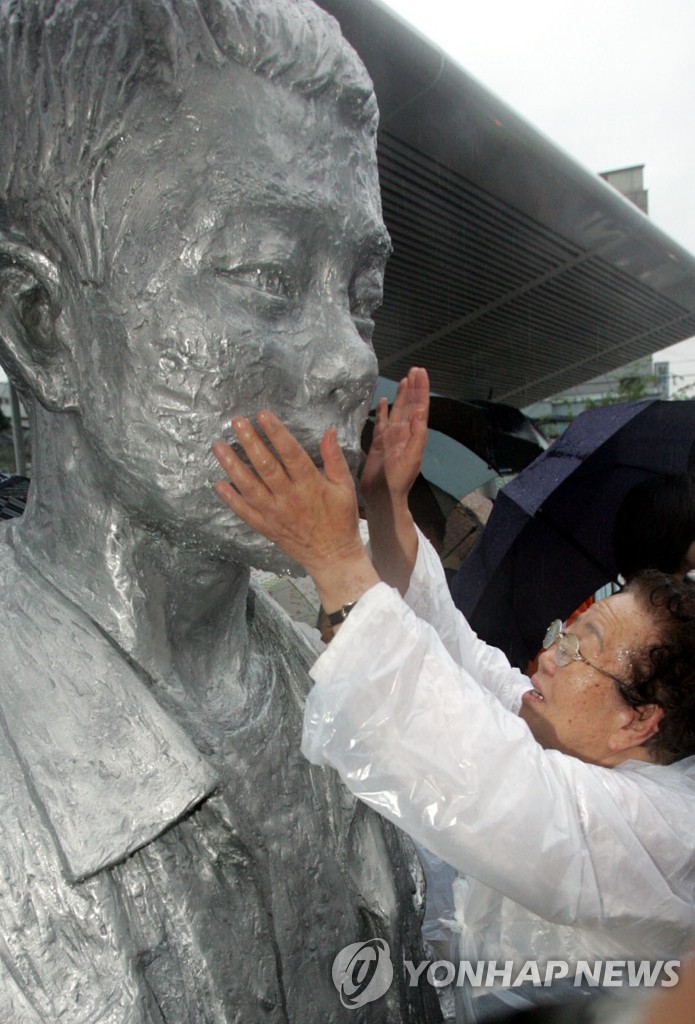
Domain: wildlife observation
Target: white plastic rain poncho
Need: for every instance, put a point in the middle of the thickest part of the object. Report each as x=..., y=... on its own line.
x=559, y=859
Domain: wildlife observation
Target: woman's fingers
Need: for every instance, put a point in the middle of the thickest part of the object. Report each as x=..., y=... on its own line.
x=264, y=461
x=335, y=467
x=399, y=409
x=419, y=388
x=311, y=516
x=416, y=394
x=297, y=463
x=272, y=467
x=412, y=397
x=382, y=417
x=238, y=504
x=274, y=472
x=244, y=479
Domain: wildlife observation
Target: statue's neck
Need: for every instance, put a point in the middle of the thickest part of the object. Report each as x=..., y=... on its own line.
x=177, y=612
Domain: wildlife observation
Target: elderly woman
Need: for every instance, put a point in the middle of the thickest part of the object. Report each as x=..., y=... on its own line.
x=565, y=801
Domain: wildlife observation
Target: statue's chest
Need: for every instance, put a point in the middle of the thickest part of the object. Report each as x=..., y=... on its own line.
x=263, y=874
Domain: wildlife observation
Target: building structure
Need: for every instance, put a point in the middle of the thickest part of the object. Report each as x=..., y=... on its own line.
x=11, y=460
x=629, y=181
x=641, y=378
x=5, y=405
x=516, y=273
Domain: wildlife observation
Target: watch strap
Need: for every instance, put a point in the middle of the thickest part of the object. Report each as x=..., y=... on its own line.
x=335, y=618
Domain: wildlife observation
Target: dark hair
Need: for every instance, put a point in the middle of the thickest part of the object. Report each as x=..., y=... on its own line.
x=664, y=673
x=655, y=525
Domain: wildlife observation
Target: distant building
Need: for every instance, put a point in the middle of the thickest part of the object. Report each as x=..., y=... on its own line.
x=630, y=182
x=5, y=398
x=7, y=452
x=641, y=379
x=6, y=405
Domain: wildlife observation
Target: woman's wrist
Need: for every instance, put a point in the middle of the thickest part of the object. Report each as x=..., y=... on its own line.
x=344, y=580
x=385, y=504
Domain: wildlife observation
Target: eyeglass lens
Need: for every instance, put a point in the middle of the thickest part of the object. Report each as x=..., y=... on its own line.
x=567, y=649
x=552, y=633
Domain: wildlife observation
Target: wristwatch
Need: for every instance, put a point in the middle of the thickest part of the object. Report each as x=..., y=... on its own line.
x=335, y=618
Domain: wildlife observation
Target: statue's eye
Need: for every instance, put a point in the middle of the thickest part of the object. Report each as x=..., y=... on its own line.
x=272, y=280
x=366, y=295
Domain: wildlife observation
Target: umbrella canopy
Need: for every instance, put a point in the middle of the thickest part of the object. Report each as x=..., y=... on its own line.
x=501, y=436
x=452, y=469
x=548, y=543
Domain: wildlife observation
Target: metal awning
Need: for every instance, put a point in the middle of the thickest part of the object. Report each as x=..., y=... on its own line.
x=516, y=273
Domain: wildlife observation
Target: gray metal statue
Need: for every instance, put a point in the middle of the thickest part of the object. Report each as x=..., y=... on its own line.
x=190, y=228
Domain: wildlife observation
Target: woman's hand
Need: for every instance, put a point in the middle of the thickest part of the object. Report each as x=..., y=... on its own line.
x=392, y=465
x=394, y=458
x=311, y=516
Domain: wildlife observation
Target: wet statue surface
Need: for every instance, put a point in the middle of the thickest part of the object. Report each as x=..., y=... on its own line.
x=190, y=228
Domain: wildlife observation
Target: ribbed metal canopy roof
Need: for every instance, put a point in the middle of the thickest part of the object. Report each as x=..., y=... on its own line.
x=516, y=273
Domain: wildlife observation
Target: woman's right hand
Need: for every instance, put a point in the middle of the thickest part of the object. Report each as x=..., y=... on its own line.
x=394, y=458
x=390, y=471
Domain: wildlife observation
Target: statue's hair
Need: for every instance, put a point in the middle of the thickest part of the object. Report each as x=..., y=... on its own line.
x=70, y=70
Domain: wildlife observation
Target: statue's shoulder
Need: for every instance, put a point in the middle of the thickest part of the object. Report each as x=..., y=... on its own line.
x=53, y=929
x=36, y=618
x=20, y=596
x=56, y=753
x=8, y=564
x=47, y=942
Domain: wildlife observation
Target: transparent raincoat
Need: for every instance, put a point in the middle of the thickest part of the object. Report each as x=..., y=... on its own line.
x=558, y=859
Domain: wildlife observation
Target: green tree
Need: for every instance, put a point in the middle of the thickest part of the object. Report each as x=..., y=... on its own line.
x=629, y=389
x=679, y=389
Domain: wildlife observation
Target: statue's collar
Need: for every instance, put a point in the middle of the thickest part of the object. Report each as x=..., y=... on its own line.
x=108, y=767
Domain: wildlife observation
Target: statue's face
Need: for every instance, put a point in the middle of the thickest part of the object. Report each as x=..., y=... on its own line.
x=249, y=256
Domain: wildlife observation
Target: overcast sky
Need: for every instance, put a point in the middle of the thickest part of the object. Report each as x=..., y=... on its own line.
x=612, y=82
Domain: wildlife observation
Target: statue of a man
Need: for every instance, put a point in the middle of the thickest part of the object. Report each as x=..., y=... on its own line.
x=190, y=228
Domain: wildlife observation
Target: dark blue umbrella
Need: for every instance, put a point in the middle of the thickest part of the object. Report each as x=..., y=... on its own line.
x=548, y=543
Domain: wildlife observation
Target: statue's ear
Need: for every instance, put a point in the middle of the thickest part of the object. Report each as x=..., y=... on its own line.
x=32, y=349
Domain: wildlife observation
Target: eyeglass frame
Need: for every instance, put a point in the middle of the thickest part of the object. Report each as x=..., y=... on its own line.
x=556, y=631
